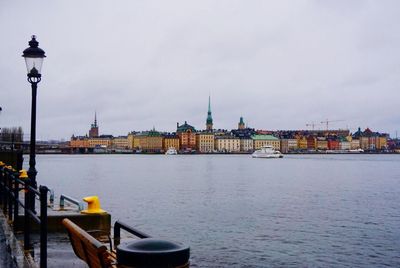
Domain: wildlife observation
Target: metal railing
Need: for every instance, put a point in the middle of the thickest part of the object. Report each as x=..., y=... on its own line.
x=121, y=225
x=10, y=186
x=64, y=198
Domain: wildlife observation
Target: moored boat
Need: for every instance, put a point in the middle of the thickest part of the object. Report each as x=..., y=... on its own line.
x=171, y=151
x=267, y=152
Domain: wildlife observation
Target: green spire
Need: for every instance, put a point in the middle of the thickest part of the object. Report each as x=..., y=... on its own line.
x=241, y=121
x=209, y=121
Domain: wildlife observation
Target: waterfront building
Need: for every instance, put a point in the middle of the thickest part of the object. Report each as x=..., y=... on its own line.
x=187, y=136
x=302, y=142
x=209, y=120
x=344, y=144
x=120, y=142
x=246, y=145
x=311, y=142
x=292, y=144
x=354, y=144
x=244, y=134
x=227, y=144
x=381, y=142
x=333, y=144
x=100, y=141
x=284, y=146
x=265, y=140
x=151, y=141
x=130, y=138
x=322, y=143
x=370, y=140
x=137, y=140
x=364, y=143
x=79, y=142
x=94, y=128
x=171, y=140
x=205, y=142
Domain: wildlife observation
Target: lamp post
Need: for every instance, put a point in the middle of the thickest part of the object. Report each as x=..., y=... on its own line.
x=33, y=58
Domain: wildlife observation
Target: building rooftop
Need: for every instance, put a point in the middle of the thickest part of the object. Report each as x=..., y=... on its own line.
x=264, y=137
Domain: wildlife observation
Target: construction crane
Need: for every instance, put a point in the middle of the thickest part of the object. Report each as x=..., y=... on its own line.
x=329, y=121
x=312, y=124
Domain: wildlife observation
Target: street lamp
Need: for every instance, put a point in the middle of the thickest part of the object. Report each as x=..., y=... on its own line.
x=33, y=58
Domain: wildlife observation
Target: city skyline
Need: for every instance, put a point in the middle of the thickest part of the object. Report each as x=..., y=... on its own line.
x=280, y=65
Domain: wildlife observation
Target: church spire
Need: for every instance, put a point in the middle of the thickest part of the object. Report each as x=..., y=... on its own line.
x=241, y=124
x=209, y=121
x=94, y=128
x=95, y=119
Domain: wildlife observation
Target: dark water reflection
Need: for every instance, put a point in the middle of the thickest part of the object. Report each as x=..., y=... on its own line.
x=235, y=211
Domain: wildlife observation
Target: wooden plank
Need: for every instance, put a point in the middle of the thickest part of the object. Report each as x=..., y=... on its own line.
x=87, y=248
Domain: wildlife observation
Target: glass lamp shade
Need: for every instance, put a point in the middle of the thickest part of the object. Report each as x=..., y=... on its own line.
x=33, y=57
x=32, y=63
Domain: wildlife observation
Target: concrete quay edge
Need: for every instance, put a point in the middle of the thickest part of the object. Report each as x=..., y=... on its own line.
x=14, y=246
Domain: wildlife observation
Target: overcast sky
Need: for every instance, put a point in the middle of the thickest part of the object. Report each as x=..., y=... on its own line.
x=139, y=64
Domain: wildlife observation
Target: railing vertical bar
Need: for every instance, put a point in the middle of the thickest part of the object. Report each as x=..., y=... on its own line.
x=16, y=203
x=43, y=226
x=5, y=205
x=10, y=202
x=27, y=226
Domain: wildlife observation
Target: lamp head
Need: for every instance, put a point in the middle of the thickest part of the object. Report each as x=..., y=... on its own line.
x=34, y=58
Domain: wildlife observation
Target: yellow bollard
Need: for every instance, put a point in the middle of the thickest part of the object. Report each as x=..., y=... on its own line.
x=23, y=174
x=93, y=205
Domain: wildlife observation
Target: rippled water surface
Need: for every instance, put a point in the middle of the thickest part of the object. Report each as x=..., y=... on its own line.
x=235, y=211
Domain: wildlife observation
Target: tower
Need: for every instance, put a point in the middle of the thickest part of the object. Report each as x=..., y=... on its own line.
x=241, y=123
x=209, y=121
x=94, y=128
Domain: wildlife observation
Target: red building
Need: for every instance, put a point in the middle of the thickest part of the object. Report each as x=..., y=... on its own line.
x=311, y=143
x=333, y=145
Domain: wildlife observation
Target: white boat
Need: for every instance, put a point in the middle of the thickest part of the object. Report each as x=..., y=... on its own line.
x=267, y=152
x=359, y=150
x=171, y=151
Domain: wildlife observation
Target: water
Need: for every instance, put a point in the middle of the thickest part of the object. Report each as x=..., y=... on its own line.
x=235, y=211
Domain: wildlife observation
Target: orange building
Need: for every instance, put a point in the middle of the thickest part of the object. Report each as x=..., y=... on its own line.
x=187, y=136
x=79, y=142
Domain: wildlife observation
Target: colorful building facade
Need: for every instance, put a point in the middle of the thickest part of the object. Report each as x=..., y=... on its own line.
x=266, y=140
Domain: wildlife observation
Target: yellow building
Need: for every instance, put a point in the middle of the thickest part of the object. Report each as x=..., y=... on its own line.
x=381, y=143
x=322, y=143
x=302, y=143
x=120, y=142
x=266, y=140
x=364, y=143
x=171, y=141
x=227, y=144
x=101, y=141
x=354, y=144
x=137, y=141
x=130, y=138
x=205, y=142
x=150, y=141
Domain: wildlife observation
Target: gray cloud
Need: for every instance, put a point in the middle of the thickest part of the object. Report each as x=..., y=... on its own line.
x=280, y=64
